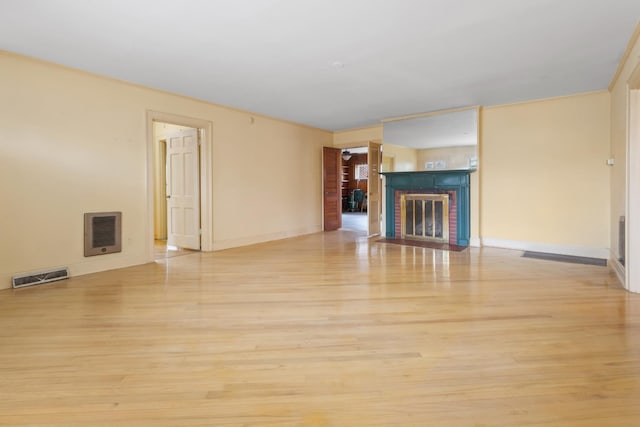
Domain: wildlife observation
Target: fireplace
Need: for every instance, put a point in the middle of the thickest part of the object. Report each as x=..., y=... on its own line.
x=425, y=217
x=438, y=208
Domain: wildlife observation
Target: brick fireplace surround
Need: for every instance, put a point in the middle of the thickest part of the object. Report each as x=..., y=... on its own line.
x=452, y=182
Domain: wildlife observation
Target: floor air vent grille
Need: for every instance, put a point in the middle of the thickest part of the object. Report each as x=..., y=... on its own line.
x=30, y=279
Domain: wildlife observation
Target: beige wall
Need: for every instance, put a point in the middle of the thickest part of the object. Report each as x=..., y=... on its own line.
x=73, y=143
x=357, y=137
x=544, y=177
x=404, y=158
x=619, y=132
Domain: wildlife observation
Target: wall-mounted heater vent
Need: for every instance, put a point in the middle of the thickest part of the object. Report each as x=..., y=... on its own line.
x=30, y=279
x=102, y=233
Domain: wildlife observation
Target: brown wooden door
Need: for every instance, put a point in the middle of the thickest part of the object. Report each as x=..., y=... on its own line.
x=373, y=189
x=331, y=188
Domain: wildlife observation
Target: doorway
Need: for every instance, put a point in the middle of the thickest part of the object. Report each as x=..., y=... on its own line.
x=177, y=195
x=341, y=181
x=354, y=187
x=178, y=185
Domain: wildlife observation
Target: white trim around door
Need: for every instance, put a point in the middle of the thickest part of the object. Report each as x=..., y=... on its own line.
x=632, y=214
x=205, y=127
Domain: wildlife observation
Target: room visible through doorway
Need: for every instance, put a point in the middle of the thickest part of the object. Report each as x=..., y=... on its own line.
x=354, y=221
x=354, y=187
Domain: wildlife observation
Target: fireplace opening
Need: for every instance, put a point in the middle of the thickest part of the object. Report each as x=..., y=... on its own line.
x=425, y=217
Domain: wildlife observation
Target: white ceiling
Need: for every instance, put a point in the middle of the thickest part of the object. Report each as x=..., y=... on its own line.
x=333, y=64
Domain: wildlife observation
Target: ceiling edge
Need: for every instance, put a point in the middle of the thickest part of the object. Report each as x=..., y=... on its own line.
x=625, y=56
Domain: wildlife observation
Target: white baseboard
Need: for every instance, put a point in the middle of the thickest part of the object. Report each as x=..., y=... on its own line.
x=618, y=269
x=234, y=243
x=476, y=242
x=583, y=251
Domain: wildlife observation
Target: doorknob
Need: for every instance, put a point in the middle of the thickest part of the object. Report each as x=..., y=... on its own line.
x=168, y=197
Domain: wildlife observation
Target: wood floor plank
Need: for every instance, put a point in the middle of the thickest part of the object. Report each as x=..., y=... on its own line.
x=328, y=329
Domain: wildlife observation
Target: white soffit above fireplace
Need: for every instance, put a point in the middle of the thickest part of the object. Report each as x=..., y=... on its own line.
x=449, y=129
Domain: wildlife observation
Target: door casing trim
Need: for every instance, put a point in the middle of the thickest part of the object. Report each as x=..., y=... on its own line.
x=206, y=165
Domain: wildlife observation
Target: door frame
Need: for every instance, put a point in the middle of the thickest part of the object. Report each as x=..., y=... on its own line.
x=160, y=179
x=632, y=205
x=374, y=174
x=205, y=128
x=365, y=144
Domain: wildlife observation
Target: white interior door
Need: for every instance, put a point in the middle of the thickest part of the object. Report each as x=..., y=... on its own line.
x=183, y=189
x=373, y=189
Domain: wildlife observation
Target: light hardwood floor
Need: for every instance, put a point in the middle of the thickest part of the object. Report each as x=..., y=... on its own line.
x=325, y=330
x=161, y=250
